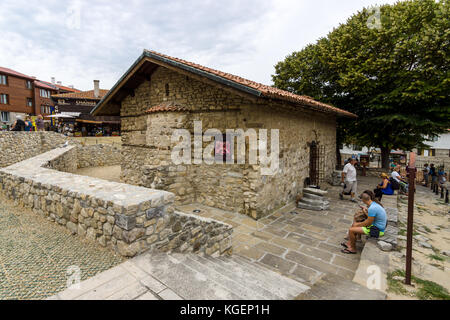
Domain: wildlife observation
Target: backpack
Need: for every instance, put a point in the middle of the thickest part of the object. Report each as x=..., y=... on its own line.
x=394, y=184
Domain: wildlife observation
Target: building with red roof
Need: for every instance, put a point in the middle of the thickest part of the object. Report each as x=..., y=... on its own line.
x=160, y=95
x=22, y=95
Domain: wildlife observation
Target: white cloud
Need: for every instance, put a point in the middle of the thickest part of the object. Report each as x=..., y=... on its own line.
x=48, y=38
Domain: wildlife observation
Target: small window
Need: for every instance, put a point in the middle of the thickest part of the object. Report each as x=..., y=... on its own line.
x=29, y=84
x=29, y=102
x=4, y=99
x=167, y=89
x=3, y=79
x=4, y=116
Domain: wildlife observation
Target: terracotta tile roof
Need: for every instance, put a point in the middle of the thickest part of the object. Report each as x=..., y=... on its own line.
x=67, y=88
x=266, y=91
x=82, y=95
x=42, y=84
x=166, y=107
x=14, y=73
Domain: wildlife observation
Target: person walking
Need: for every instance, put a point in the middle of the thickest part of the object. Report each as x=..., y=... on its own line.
x=426, y=171
x=28, y=124
x=433, y=175
x=349, y=180
x=40, y=123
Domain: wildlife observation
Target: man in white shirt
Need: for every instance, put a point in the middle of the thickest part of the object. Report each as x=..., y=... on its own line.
x=349, y=178
x=397, y=177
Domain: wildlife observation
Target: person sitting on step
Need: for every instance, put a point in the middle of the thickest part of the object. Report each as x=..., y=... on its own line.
x=374, y=225
x=401, y=181
x=385, y=187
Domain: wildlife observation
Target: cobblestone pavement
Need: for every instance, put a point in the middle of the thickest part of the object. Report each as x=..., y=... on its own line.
x=35, y=254
x=298, y=243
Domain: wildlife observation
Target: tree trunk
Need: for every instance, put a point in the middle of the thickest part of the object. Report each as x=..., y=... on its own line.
x=385, y=152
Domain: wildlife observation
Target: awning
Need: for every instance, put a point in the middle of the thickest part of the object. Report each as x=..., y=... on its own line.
x=59, y=116
x=98, y=122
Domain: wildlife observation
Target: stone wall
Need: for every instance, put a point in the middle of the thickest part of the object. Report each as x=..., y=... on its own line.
x=147, y=146
x=128, y=218
x=98, y=155
x=21, y=145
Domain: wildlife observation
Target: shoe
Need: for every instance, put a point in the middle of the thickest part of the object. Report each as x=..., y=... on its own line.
x=353, y=200
x=341, y=196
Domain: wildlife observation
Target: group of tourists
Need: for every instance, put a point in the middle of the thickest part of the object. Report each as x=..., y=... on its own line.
x=372, y=219
x=27, y=124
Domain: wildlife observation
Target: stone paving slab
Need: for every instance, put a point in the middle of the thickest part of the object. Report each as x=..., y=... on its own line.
x=35, y=254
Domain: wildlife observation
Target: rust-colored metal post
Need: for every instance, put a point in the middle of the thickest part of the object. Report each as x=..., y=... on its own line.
x=409, y=232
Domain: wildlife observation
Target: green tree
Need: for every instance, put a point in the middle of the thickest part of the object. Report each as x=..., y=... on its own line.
x=392, y=72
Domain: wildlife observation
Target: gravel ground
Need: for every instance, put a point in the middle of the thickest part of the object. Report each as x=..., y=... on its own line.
x=35, y=254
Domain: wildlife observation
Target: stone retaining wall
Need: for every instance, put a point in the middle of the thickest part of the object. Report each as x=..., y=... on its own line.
x=98, y=155
x=18, y=146
x=130, y=219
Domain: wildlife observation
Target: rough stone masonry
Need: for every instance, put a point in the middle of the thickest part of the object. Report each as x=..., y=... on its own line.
x=128, y=218
x=146, y=144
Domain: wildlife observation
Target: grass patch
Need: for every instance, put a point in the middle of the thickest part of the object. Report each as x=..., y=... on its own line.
x=425, y=289
x=402, y=232
x=427, y=229
x=437, y=257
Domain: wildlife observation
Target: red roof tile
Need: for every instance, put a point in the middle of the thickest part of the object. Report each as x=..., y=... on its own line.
x=42, y=84
x=266, y=91
x=82, y=95
x=14, y=73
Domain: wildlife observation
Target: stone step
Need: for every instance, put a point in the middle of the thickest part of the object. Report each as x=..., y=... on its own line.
x=307, y=206
x=313, y=197
x=314, y=191
x=241, y=275
x=238, y=274
x=183, y=280
x=332, y=287
x=314, y=201
x=209, y=271
x=281, y=285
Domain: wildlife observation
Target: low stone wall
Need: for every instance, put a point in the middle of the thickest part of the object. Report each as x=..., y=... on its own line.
x=98, y=155
x=128, y=218
x=16, y=146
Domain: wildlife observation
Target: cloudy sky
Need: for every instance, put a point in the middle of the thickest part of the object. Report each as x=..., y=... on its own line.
x=77, y=41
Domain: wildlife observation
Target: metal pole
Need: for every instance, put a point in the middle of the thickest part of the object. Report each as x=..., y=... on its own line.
x=409, y=232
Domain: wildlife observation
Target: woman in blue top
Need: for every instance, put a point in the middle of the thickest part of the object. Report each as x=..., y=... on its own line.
x=384, y=187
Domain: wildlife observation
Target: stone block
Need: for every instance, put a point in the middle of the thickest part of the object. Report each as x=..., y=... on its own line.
x=125, y=222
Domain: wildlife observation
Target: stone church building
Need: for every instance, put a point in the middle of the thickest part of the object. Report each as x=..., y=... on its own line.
x=159, y=94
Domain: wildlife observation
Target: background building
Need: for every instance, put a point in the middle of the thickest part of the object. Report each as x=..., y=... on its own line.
x=24, y=95
x=76, y=108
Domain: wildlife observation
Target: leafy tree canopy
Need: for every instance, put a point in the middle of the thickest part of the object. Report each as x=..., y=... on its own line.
x=392, y=72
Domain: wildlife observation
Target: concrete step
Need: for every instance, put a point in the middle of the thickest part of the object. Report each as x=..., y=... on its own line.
x=158, y=275
x=332, y=287
x=238, y=274
x=279, y=284
x=183, y=280
x=209, y=271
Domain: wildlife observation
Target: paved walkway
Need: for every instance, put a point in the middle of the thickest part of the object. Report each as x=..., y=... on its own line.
x=35, y=254
x=298, y=243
